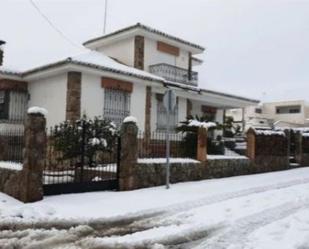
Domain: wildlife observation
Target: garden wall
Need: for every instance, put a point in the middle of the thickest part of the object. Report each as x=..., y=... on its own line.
x=268, y=150
x=302, y=148
x=142, y=173
x=225, y=167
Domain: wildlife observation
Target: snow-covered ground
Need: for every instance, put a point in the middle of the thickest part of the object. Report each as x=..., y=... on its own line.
x=255, y=212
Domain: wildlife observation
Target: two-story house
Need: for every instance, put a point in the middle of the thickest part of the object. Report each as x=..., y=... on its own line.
x=122, y=73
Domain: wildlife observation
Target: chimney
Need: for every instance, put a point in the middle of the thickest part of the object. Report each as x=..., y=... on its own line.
x=1, y=52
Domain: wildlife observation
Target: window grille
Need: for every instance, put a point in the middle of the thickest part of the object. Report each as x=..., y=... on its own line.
x=4, y=104
x=116, y=105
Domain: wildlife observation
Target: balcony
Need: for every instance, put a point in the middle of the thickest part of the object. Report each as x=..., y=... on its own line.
x=174, y=74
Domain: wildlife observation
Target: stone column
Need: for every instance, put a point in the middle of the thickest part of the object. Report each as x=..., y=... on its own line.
x=128, y=156
x=73, y=104
x=34, y=158
x=139, y=45
x=148, y=111
x=201, y=154
x=251, y=144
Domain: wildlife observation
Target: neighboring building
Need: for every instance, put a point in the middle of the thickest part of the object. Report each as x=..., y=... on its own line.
x=125, y=73
x=274, y=114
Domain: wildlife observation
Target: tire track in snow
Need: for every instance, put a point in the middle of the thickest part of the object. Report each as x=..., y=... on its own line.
x=133, y=219
x=236, y=234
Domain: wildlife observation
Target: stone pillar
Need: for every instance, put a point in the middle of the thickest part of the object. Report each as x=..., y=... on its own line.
x=128, y=156
x=251, y=144
x=73, y=104
x=201, y=154
x=34, y=158
x=139, y=44
x=148, y=111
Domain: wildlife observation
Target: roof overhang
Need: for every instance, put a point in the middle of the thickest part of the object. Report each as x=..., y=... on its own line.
x=71, y=65
x=146, y=31
x=8, y=74
x=212, y=98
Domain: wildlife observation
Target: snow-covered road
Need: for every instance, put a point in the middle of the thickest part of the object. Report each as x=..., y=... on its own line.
x=255, y=212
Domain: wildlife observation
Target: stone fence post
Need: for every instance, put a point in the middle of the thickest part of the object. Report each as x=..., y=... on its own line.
x=128, y=155
x=251, y=144
x=34, y=157
x=201, y=154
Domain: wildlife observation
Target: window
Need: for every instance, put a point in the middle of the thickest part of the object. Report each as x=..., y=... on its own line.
x=209, y=112
x=4, y=105
x=288, y=109
x=116, y=105
x=258, y=110
x=162, y=115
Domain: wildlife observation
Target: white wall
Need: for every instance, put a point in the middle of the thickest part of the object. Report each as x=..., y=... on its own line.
x=269, y=111
x=121, y=50
x=92, y=96
x=153, y=56
x=50, y=93
x=92, y=99
x=182, y=110
x=138, y=104
x=196, y=109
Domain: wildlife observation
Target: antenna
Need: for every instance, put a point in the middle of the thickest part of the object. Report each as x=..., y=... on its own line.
x=105, y=17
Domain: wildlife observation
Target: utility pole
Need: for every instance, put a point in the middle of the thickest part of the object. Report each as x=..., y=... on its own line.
x=105, y=17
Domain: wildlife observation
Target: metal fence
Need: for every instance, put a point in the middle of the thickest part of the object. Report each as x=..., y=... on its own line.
x=153, y=145
x=80, y=173
x=12, y=142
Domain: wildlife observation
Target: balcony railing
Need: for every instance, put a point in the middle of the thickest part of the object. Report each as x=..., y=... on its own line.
x=175, y=74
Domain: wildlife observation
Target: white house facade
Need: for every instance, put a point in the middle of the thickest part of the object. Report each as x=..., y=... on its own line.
x=120, y=74
x=279, y=114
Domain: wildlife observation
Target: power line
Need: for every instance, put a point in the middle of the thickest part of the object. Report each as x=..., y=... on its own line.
x=105, y=18
x=54, y=26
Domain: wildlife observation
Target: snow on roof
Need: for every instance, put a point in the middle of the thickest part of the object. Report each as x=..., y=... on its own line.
x=99, y=59
x=148, y=29
x=10, y=71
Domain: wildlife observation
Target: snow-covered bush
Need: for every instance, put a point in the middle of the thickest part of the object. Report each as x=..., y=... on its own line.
x=87, y=136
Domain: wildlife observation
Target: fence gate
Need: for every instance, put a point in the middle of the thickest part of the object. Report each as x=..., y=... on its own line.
x=83, y=173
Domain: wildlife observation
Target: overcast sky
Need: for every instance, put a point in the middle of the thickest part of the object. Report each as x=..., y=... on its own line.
x=255, y=48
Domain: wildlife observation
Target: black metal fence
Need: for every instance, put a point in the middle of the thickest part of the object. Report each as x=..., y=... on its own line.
x=153, y=145
x=68, y=173
x=11, y=142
